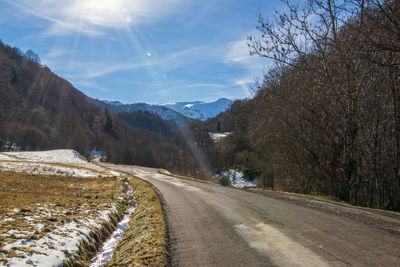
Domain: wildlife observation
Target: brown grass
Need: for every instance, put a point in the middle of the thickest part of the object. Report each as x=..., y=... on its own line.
x=51, y=201
x=144, y=241
x=55, y=200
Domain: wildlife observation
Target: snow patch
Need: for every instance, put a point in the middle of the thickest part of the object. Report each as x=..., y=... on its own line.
x=59, y=155
x=105, y=255
x=236, y=179
x=49, y=249
x=188, y=106
x=66, y=162
x=219, y=136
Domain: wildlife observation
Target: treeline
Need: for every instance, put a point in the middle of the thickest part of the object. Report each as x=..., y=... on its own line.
x=39, y=110
x=326, y=119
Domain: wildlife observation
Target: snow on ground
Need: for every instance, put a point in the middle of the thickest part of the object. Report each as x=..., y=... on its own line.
x=65, y=162
x=50, y=229
x=5, y=157
x=218, y=136
x=237, y=179
x=106, y=253
x=67, y=156
x=45, y=169
x=49, y=249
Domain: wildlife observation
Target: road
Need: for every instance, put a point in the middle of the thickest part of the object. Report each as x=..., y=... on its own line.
x=212, y=225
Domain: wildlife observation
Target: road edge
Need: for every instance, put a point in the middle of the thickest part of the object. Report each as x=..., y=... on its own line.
x=160, y=199
x=320, y=198
x=165, y=172
x=261, y=190
x=165, y=215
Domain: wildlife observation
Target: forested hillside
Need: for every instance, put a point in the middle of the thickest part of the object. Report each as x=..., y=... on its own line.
x=39, y=110
x=326, y=119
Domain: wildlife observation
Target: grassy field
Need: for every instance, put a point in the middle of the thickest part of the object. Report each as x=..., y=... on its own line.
x=41, y=213
x=57, y=208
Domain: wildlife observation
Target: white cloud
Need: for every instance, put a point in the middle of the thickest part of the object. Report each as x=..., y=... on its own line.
x=245, y=84
x=254, y=67
x=238, y=53
x=91, y=16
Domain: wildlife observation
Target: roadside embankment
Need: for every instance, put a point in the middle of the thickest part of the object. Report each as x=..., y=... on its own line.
x=144, y=241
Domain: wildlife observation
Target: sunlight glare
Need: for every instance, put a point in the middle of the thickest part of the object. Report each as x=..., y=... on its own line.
x=112, y=13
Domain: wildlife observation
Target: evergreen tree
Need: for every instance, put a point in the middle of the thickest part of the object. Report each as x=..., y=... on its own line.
x=219, y=127
x=108, y=127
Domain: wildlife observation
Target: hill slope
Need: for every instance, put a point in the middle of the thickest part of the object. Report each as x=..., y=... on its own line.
x=163, y=112
x=39, y=110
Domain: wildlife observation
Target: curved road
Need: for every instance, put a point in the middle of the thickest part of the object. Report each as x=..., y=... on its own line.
x=212, y=225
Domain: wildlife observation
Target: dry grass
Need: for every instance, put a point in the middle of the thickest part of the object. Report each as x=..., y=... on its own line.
x=36, y=209
x=144, y=241
x=37, y=206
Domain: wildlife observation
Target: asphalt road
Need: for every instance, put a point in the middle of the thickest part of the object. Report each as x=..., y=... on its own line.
x=212, y=225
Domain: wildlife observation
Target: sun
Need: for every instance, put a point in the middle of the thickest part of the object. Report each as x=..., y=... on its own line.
x=100, y=6
x=112, y=13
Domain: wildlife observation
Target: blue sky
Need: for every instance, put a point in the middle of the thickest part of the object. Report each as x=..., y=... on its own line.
x=154, y=51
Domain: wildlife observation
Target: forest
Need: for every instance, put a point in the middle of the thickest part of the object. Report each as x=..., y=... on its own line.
x=40, y=110
x=325, y=118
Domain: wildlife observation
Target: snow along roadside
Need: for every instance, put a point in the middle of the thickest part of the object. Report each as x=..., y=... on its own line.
x=104, y=256
x=144, y=242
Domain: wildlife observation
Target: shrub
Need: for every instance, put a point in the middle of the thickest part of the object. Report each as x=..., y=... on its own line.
x=225, y=181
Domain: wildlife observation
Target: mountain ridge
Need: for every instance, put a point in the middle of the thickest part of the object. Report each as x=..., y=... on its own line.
x=197, y=110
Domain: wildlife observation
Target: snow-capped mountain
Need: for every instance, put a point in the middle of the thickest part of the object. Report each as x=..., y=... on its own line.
x=112, y=102
x=164, y=112
x=178, y=112
x=200, y=110
x=118, y=107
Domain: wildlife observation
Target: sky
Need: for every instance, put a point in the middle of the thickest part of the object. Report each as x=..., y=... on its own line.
x=152, y=51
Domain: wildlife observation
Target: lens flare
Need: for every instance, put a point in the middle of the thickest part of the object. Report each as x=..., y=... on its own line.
x=259, y=226
x=148, y=54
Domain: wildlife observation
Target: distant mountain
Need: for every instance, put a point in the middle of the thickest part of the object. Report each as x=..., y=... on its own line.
x=200, y=110
x=112, y=102
x=171, y=112
x=165, y=113
x=41, y=111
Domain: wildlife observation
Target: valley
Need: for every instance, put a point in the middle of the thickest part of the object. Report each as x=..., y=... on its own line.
x=199, y=133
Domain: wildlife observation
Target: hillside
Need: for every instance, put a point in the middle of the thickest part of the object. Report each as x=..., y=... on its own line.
x=326, y=119
x=39, y=110
x=150, y=122
x=166, y=114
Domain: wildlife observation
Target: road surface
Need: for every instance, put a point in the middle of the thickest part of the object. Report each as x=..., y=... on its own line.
x=212, y=225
